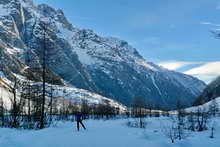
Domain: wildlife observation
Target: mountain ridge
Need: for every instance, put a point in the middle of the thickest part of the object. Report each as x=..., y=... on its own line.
x=104, y=65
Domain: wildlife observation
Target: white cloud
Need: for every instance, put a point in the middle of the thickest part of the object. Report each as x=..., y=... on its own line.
x=175, y=65
x=210, y=23
x=206, y=72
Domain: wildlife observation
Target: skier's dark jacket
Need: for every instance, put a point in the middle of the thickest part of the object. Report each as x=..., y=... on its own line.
x=78, y=117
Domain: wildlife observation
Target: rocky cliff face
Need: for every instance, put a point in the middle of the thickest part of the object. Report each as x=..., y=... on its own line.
x=83, y=59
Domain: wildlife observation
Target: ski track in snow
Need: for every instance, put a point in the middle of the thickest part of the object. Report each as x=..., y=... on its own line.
x=99, y=133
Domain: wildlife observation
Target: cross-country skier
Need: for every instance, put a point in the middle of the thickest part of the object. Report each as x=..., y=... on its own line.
x=79, y=120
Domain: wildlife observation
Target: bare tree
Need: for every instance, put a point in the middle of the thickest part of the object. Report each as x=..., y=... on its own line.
x=2, y=112
x=138, y=107
x=180, y=119
x=45, y=53
x=213, y=108
x=85, y=110
x=202, y=119
x=191, y=121
x=17, y=104
x=15, y=109
x=50, y=105
x=170, y=131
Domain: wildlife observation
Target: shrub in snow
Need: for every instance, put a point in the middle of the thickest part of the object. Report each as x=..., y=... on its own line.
x=169, y=130
x=135, y=123
x=175, y=128
x=202, y=117
x=213, y=108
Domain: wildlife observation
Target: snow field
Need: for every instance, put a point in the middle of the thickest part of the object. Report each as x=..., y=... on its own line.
x=99, y=133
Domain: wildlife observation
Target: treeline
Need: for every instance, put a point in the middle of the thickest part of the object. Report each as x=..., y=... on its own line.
x=140, y=109
x=29, y=109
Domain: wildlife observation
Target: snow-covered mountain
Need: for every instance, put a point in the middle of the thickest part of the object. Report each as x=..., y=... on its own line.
x=212, y=91
x=82, y=59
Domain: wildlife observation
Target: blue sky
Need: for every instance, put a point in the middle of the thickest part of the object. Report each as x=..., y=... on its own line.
x=161, y=30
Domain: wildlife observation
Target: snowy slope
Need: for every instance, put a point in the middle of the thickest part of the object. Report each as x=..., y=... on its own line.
x=204, y=106
x=74, y=95
x=104, y=65
x=5, y=95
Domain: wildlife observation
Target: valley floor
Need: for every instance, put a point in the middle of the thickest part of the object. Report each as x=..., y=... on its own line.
x=99, y=133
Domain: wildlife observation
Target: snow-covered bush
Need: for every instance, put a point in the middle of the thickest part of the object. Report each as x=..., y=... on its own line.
x=174, y=129
x=137, y=123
